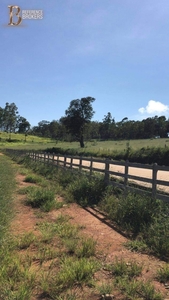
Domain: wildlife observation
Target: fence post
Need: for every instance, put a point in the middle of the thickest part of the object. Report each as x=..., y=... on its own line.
x=53, y=159
x=80, y=164
x=44, y=157
x=64, y=161
x=71, y=162
x=154, y=180
x=106, y=177
x=126, y=177
x=57, y=159
x=91, y=166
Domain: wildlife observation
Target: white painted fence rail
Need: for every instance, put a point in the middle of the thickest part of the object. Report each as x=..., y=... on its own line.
x=125, y=175
x=139, y=178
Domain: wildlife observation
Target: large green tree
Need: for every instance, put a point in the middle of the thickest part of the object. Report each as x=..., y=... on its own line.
x=79, y=113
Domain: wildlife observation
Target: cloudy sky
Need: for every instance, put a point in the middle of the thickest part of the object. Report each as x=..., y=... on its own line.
x=116, y=51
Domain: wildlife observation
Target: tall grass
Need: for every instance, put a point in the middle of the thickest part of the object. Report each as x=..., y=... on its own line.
x=15, y=281
x=7, y=186
x=142, y=218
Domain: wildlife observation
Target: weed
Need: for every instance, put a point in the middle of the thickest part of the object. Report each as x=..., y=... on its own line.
x=32, y=179
x=105, y=288
x=58, y=204
x=128, y=288
x=40, y=197
x=72, y=272
x=86, y=248
x=25, y=190
x=137, y=246
x=163, y=274
x=125, y=269
x=23, y=171
x=137, y=289
x=46, y=253
x=71, y=245
x=157, y=237
x=76, y=271
x=68, y=296
x=86, y=191
x=26, y=240
x=147, y=291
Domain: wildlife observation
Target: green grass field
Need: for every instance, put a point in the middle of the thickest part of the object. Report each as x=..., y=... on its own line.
x=40, y=143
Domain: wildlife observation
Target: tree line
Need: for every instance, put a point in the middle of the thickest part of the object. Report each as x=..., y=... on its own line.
x=77, y=124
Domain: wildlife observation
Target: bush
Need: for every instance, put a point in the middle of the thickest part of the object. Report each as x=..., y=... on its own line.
x=135, y=212
x=157, y=236
x=41, y=198
x=86, y=191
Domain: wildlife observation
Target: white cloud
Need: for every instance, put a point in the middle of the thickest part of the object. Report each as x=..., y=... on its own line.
x=154, y=107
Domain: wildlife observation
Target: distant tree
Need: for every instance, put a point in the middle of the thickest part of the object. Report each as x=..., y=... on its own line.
x=54, y=129
x=43, y=128
x=107, y=119
x=92, y=130
x=23, y=126
x=79, y=113
x=107, y=126
x=1, y=117
x=10, y=118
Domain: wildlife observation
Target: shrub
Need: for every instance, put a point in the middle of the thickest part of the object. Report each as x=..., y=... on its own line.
x=132, y=213
x=163, y=274
x=86, y=191
x=41, y=198
x=157, y=236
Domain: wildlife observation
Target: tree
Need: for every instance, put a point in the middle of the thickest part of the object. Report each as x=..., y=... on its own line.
x=1, y=117
x=106, y=126
x=10, y=117
x=23, y=126
x=44, y=128
x=78, y=114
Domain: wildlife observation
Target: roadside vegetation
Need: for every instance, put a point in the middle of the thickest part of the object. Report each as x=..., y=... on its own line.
x=62, y=263
x=7, y=185
x=143, y=219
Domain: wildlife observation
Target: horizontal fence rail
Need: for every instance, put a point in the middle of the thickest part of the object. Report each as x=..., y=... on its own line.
x=135, y=177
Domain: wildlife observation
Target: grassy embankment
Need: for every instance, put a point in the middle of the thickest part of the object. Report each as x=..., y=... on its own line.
x=60, y=263
x=144, y=219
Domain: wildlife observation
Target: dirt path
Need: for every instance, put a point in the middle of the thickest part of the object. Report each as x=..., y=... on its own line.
x=110, y=244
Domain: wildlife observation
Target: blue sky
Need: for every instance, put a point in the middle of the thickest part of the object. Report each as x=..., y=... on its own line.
x=116, y=51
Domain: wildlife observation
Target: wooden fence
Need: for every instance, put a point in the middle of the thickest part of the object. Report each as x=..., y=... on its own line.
x=124, y=177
